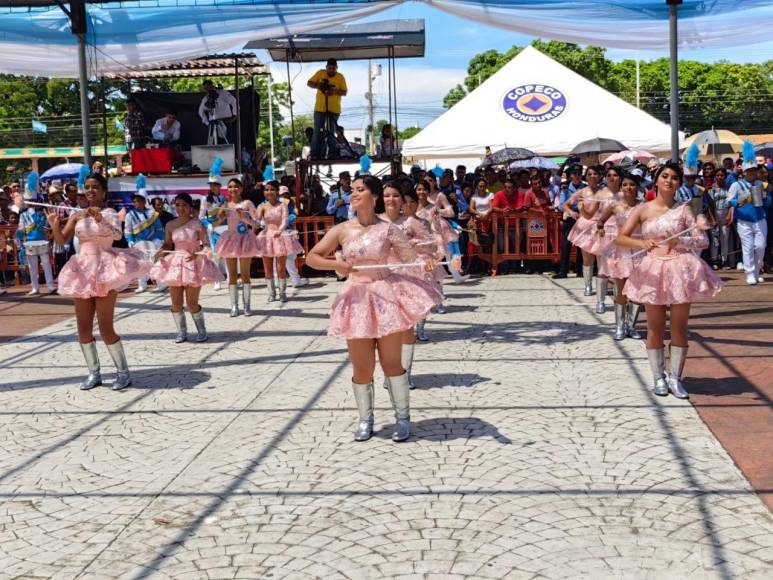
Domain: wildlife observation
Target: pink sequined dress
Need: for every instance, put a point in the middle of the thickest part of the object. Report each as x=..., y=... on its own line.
x=617, y=261
x=286, y=243
x=583, y=233
x=425, y=243
x=601, y=244
x=238, y=241
x=98, y=268
x=677, y=275
x=176, y=269
x=439, y=225
x=379, y=302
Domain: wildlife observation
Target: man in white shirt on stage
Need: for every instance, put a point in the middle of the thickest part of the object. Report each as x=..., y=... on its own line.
x=217, y=108
x=167, y=129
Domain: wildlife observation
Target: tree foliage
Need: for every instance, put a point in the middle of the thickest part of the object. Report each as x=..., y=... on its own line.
x=725, y=95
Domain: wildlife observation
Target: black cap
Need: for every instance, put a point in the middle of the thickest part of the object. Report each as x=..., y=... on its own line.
x=344, y=174
x=331, y=62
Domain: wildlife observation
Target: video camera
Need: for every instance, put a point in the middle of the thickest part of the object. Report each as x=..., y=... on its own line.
x=325, y=86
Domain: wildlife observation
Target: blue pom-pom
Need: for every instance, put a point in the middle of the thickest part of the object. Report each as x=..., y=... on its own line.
x=217, y=167
x=365, y=163
x=32, y=182
x=268, y=173
x=693, y=155
x=749, y=155
x=83, y=173
x=438, y=171
x=141, y=182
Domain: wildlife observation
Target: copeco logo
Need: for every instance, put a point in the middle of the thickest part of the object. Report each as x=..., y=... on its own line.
x=534, y=103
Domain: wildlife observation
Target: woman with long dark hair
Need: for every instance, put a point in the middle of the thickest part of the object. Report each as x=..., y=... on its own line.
x=238, y=245
x=583, y=234
x=93, y=275
x=670, y=277
x=376, y=304
x=184, y=269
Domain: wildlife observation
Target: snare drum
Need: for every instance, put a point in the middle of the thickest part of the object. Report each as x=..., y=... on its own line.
x=36, y=247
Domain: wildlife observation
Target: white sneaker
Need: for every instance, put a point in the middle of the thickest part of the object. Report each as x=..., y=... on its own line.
x=217, y=286
x=760, y=279
x=33, y=292
x=301, y=283
x=739, y=266
x=3, y=291
x=141, y=289
x=751, y=279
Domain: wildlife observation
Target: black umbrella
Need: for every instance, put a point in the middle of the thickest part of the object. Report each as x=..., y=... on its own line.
x=596, y=146
x=507, y=156
x=765, y=150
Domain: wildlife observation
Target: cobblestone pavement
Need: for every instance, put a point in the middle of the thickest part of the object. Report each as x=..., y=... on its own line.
x=537, y=453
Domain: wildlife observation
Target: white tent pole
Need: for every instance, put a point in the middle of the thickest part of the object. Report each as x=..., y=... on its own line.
x=271, y=117
x=84, y=96
x=674, y=46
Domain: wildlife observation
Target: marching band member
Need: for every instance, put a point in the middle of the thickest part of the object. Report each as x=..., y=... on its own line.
x=238, y=245
x=92, y=276
x=143, y=230
x=32, y=232
x=292, y=270
x=604, y=199
x=443, y=212
x=670, y=276
x=185, y=272
x=210, y=210
x=427, y=211
x=375, y=306
x=583, y=233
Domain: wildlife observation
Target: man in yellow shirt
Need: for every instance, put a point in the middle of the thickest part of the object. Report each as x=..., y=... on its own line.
x=331, y=86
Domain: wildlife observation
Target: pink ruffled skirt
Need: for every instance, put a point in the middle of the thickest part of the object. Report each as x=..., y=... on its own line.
x=286, y=244
x=680, y=279
x=96, y=274
x=583, y=234
x=617, y=262
x=236, y=245
x=176, y=270
x=377, y=308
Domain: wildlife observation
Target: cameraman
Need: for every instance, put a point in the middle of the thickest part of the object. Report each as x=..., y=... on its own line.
x=331, y=86
x=217, y=108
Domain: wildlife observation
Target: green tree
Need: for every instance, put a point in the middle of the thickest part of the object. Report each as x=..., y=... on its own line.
x=408, y=133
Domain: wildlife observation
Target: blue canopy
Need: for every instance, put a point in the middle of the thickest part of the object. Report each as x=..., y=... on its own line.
x=63, y=171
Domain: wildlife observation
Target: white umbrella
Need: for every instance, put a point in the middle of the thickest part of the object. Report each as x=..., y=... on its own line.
x=538, y=162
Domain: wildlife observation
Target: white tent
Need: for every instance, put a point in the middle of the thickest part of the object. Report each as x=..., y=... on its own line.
x=536, y=103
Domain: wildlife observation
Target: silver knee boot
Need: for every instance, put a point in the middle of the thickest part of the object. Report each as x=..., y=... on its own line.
x=363, y=397
x=633, y=316
x=182, y=326
x=657, y=359
x=246, y=296
x=282, y=290
x=406, y=358
x=399, y=393
x=233, y=295
x=619, y=321
x=601, y=294
x=677, y=357
x=587, y=276
x=271, y=289
x=420, y=334
x=123, y=379
x=201, y=329
x=94, y=379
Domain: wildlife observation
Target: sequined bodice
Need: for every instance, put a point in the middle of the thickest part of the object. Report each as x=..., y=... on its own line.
x=187, y=237
x=374, y=247
x=418, y=231
x=234, y=223
x=98, y=234
x=672, y=222
x=273, y=215
x=623, y=216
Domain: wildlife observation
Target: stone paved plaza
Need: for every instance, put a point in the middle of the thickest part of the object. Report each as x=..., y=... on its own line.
x=538, y=452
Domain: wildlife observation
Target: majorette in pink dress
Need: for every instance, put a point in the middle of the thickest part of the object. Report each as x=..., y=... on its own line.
x=425, y=243
x=583, y=233
x=98, y=268
x=176, y=269
x=617, y=261
x=238, y=241
x=286, y=243
x=677, y=275
x=439, y=225
x=380, y=302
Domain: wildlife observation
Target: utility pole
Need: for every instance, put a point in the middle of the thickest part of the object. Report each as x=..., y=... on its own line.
x=673, y=19
x=638, y=83
x=371, y=124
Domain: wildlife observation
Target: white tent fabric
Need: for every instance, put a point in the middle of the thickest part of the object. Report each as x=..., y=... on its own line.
x=536, y=103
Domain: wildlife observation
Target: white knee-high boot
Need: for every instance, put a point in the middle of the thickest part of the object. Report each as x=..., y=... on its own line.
x=33, y=265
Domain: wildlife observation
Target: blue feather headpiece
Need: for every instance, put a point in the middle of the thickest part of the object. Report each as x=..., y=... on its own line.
x=749, y=155
x=31, y=187
x=216, y=170
x=83, y=173
x=438, y=171
x=141, y=185
x=365, y=164
x=691, y=160
x=268, y=173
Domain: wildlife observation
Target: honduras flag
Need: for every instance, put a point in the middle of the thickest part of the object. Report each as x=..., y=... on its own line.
x=38, y=127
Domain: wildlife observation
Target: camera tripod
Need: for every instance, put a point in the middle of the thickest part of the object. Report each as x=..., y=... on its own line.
x=328, y=146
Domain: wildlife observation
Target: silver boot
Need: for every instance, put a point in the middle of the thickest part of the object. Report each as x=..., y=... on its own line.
x=406, y=358
x=363, y=396
x=123, y=379
x=633, y=316
x=399, y=393
x=587, y=276
x=92, y=362
x=271, y=290
x=182, y=326
x=421, y=336
x=657, y=359
x=601, y=294
x=282, y=290
x=233, y=295
x=246, y=295
x=619, y=321
x=201, y=329
x=677, y=356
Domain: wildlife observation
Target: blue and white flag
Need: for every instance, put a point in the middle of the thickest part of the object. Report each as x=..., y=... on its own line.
x=119, y=125
x=39, y=127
